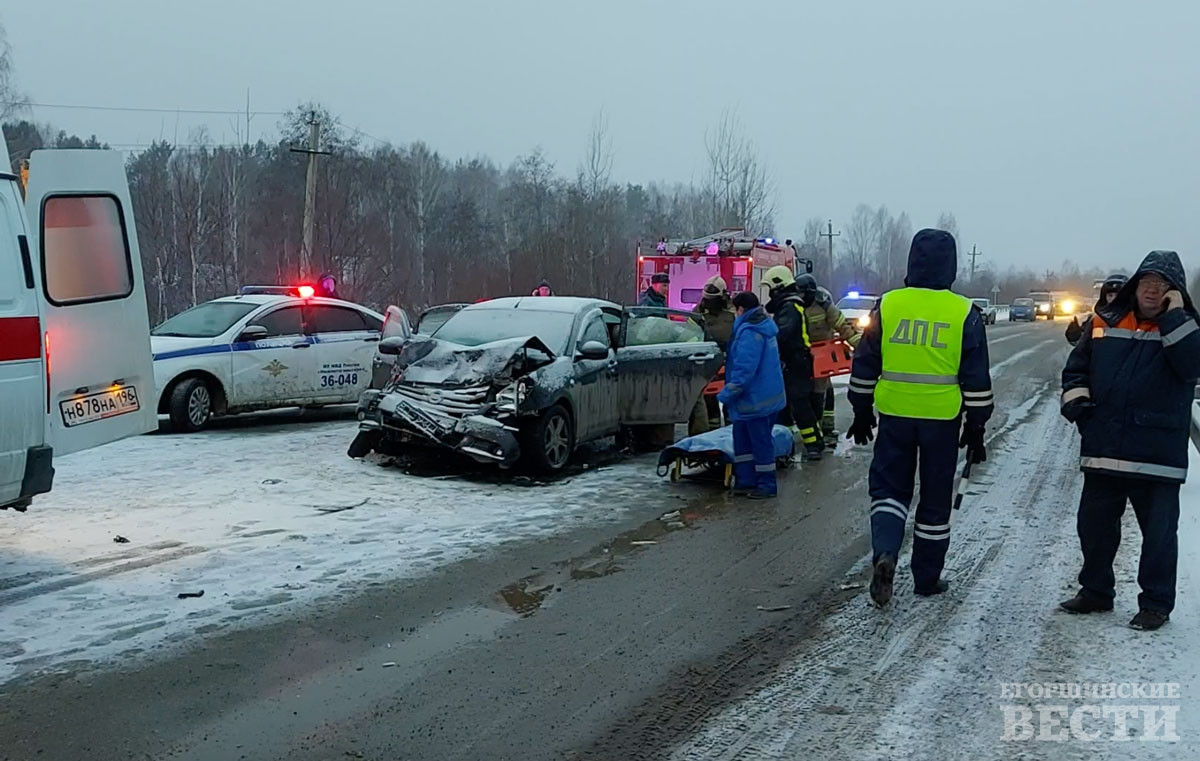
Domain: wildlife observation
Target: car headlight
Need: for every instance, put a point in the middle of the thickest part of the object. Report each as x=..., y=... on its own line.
x=1044, y=308
x=515, y=394
x=1068, y=306
x=864, y=321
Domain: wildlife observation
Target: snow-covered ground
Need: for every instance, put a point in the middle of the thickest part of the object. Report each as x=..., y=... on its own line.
x=259, y=519
x=932, y=679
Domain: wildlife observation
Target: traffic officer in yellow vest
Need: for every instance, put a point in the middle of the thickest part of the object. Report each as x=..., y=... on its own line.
x=922, y=361
x=825, y=321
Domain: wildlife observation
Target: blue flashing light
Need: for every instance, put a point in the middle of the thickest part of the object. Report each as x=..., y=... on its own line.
x=853, y=294
x=769, y=241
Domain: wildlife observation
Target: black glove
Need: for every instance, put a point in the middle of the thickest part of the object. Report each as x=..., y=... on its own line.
x=862, y=430
x=972, y=439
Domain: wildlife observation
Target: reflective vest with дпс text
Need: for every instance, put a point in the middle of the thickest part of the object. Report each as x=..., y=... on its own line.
x=921, y=342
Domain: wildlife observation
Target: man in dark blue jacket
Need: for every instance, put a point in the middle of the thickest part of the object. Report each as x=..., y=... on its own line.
x=754, y=395
x=1129, y=385
x=921, y=362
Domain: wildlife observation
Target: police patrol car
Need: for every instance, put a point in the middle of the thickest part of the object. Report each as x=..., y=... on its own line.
x=267, y=347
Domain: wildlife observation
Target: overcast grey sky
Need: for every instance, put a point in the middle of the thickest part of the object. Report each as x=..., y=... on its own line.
x=1054, y=129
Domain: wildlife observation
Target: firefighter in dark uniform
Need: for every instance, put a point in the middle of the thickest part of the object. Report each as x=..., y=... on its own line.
x=921, y=362
x=825, y=321
x=1129, y=386
x=790, y=297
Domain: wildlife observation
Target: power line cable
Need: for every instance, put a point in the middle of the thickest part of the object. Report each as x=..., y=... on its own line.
x=133, y=109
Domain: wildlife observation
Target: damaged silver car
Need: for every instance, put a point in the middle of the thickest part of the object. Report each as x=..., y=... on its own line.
x=529, y=379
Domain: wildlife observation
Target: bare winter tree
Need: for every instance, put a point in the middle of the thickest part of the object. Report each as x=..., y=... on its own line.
x=426, y=178
x=947, y=222
x=893, y=250
x=596, y=173
x=862, y=241
x=737, y=187
x=12, y=102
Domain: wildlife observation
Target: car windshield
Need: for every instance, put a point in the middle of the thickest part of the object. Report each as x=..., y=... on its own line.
x=981, y=302
x=859, y=303
x=1040, y=296
x=206, y=320
x=430, y=321
x=474, y=327
x=1022, y=302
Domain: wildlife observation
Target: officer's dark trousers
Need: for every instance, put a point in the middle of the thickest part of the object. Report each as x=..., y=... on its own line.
x=902, y=442
x=1156, y=505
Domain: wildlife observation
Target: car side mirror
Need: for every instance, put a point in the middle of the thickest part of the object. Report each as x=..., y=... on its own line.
x=593, y=350
x=253, y=333
x=392, y=346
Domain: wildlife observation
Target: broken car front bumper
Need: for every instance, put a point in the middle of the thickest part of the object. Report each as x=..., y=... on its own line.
x=479, y=437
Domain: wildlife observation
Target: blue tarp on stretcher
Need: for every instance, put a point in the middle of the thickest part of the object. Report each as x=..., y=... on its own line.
x=717, y=447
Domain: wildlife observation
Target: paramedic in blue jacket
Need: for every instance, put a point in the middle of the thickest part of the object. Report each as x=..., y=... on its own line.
x=1129, y=386
x=754, y=395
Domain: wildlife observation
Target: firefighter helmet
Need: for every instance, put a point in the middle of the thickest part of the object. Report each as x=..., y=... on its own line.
x=778, y=276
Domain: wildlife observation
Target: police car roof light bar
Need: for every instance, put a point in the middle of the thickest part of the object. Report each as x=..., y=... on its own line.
x=269, y=290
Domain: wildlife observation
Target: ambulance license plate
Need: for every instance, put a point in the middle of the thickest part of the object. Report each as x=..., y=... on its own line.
x=99, y=406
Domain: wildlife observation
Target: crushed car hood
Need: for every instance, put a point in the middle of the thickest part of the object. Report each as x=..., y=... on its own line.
x=429, y=361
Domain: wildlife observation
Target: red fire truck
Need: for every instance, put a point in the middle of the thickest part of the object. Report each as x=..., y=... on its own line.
x=740, y=260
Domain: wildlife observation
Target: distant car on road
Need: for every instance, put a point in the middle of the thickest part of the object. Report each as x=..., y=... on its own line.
x=988, y=309
x=529, y=379
x=1043, y=304
x=856, y=307
x=261, y=350
x=1022, y=310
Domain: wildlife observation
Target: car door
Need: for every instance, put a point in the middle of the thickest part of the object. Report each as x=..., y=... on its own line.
x=22, y=373
x=597, y=386
x=344, y=341
x=277, y=369
x=664, y=363
x=88, y=273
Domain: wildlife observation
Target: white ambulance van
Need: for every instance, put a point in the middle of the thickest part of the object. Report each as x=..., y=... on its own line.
x=75, y=362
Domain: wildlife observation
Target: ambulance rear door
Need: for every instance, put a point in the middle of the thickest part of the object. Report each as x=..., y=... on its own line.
x=96, y=329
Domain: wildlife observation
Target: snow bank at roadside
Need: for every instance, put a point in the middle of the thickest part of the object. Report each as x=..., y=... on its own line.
x=259, y=519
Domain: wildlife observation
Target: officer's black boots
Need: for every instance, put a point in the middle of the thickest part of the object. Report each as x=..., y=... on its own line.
x=1082, y=603
x=881, y=580
x=939, y=588
x=1149, y=620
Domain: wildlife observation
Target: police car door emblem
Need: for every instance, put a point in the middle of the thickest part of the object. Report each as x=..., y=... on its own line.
x=274, y=368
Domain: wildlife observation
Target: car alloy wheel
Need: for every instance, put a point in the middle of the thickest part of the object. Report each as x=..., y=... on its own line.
x=199, y=406
x=557, y=441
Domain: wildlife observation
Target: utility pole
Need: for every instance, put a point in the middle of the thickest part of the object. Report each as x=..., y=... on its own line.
x=974, y=255
x=310, y=192
x=830, y=235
